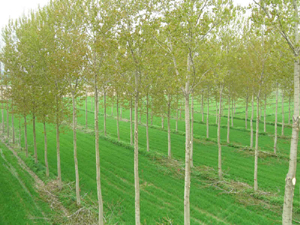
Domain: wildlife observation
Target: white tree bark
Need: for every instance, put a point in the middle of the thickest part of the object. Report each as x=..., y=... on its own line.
x=131, y=136
x=216, y=112
x=207, y=117
x=234, y=107
x=180, y=113
x=246, y=112
x=58, y=145
x=256, y=144
x=104, y=111
x=136, y=154
x=276, y=112
x=141, y=115
x=86, y=109
x=46, y=150
x=25, y=136
x=20, y=132
x=118, y=118
x=169, y=128
x=121, y=112
x=147, y=121
x=265, y=114
x=289, y=119
x=228, y=121
x=290, y=179
x=92, y=103
x=58, y=157
x=176, y=120
x=13, y=128
x=192, y=132
x=187, y=177
x=232, y=111
x=75, y=150
x=291, y=175
x=112, y=107
x=3, y=126
x=152, y=118
x=282, y=113
x=99, y=194
x=251, y=123
x=7, y=120
x=202, y=106
x=34, y=139
x=219, y=136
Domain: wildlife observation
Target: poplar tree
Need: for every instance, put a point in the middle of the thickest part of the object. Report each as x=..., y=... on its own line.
x=283, y=17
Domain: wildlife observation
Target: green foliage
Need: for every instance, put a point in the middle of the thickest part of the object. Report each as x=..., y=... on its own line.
x=158, y=51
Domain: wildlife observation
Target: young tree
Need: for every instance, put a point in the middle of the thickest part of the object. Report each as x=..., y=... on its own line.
x=280, y=18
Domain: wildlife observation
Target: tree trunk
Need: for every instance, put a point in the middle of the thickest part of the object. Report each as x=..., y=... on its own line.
x=219, y=138
x=20, y=133
x=228, y=120
x=187, y=177
x=131, y=136
x=34, y=139
x=246, y=113
x=207, y=117
x=180, y=112
x=256, y=143
x=276, y=111
x=13, y=128
x=192, y=132
x=162, y=122
x=25, y=136
x=46, y=150
x=147, y=126
x=176, y=120
x=3, y=126
x=169, y=128
x=118, y=128
x=99, y=194
x=202, y=107
x=216, y=112
x=290, y=180
x=234, y=108
x=121, y=112
x=58, y=156
x=187, y=180
x=289, y=110
x=86, y=109
x=177, y=117
x=282, y=111
x=251, y=123
x=265, y=114
x=140, y=117
x=232, y=111
x=104, y=110
x=75, y=150
x=136, y=154
x=152, y=118
x=58, y=144
x=7, y=118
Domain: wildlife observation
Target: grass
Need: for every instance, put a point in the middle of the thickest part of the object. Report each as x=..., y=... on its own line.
x=20, y=203
x=212, y=202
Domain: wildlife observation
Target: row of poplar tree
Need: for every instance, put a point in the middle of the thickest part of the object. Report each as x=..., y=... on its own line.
x=155, y=58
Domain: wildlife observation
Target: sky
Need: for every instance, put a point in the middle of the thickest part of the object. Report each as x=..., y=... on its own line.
x=13, y=9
